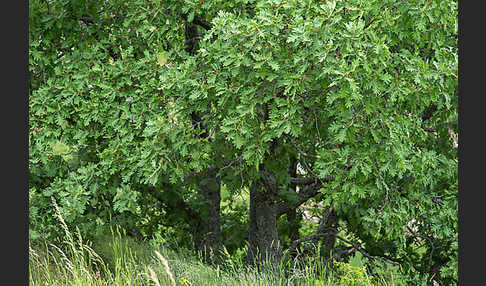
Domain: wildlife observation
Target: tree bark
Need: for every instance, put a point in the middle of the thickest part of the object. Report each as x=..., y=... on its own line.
x=264, y=246
x=292, y=218
x=294, y=222
x=328, y=226
x=207, y=238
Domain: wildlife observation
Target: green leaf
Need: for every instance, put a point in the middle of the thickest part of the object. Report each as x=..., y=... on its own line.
x=59, y=148
x=190, y=17
x=161, y=59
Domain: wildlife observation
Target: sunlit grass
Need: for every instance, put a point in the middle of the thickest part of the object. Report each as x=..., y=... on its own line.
x=74, y=261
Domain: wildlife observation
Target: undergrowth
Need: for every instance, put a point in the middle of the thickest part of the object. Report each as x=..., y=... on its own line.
x=117, y=259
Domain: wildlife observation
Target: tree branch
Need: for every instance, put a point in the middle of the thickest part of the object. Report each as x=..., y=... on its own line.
x=300, y=151
x=203, y=23
x=365, y=253
x=315, y=237
x=303, y=196
x=324, y=220
x=199, y=21
x=304, y=181
x=212, y=168
x=295, y=243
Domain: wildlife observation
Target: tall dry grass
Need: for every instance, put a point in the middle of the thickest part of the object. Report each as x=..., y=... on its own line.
x=74, y=262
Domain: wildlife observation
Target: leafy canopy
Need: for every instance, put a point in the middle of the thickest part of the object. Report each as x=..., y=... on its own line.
x=364, y=92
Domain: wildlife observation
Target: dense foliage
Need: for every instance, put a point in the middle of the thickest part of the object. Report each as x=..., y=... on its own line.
x=143, y=112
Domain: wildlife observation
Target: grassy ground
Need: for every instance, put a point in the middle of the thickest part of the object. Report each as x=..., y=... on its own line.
x=119, y=260
x=122, y=261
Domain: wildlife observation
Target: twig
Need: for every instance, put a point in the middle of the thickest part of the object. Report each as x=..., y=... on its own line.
x=364, y=252
x=295, y=243
x=302, y=152
x=303, y=196
x=346, y=250
x=319, y=233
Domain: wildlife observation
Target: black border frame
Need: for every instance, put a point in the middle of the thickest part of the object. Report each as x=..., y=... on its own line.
x=470, y=203
x=15, y=47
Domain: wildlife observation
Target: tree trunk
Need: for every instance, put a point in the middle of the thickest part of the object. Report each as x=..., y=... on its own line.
x=292, y=218
x=207, y=238
x=294, y=222
x=329, y=228
x=264, y=245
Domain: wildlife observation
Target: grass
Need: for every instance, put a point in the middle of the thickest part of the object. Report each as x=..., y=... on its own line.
x=120, y=260
x=75, y=262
